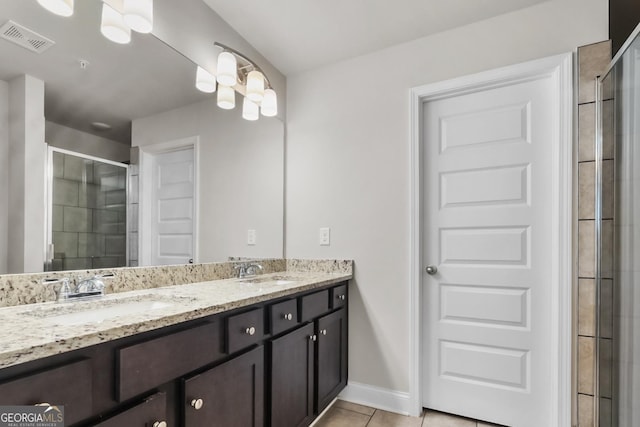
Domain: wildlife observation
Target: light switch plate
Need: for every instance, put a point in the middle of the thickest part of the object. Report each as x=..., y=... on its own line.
x=324, y=236
x=251, y=237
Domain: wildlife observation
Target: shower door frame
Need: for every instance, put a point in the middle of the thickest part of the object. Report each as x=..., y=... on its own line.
x=48, y=241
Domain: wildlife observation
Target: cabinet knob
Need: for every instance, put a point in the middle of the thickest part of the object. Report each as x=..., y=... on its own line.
x=342, y=297
x=197, y=403
x=160, y=424
x=287, y=316
x=313, y=337
x=323, y=332
x=250, y=331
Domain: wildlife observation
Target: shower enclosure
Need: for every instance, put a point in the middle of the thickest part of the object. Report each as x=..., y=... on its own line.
x=87, y=218
x=617, y=370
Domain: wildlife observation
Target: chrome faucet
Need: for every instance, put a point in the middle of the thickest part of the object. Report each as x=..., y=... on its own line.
x=85, y=288
x=247, y=269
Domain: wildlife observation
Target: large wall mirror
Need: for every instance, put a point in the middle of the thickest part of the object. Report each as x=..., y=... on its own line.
x=131, y=164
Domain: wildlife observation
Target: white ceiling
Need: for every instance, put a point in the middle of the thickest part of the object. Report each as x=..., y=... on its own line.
x=297, y=35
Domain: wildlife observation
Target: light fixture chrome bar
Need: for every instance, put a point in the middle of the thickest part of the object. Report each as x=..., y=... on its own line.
x=247, y=60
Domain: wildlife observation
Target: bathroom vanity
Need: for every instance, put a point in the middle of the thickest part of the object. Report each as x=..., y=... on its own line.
x=260, y=351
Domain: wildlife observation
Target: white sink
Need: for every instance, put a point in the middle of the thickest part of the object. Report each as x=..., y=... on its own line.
x=99, y=310
x=99, y=315
x=271, y=280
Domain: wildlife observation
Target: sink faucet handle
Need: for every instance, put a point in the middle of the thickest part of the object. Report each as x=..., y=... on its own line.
x=242, y=269
x=64, y=290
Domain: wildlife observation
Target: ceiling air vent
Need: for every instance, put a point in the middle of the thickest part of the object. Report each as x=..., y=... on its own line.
x=24, y=37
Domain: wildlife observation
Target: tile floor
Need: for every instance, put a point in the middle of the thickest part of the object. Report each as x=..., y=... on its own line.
x=345, y=414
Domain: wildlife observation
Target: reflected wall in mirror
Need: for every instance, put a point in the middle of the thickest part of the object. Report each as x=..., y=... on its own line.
x=145, y=93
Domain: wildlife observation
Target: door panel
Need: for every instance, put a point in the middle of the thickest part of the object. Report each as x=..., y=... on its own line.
x=174, y=214
x=488, y=216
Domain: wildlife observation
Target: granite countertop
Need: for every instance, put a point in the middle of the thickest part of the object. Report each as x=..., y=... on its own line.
x=35, y=331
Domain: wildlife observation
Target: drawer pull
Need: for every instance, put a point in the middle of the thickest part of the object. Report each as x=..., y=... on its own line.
x=287, y=316
x=313, y=337
x=341, y=297
x=323, y=332
x=160, y=424
x=197, y=403
x=250, y=331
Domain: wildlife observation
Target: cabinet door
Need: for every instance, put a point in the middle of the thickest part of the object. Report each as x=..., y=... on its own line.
x=332, y=357
x=229, y=395
x=150, y=413
x=292, y=382
x=69, y=385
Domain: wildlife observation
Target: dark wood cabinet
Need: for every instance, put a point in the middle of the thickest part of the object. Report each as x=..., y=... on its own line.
x=292, y=379
x=331, y=360
x=308, y=368
x=69, y=384
x=229, y=395
x=276, y=363
x=151, y=412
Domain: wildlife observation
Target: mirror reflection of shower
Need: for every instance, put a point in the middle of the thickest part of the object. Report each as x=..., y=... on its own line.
x=87, y=212
x=617, y=373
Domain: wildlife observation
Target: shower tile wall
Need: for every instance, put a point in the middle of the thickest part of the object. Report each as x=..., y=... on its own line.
x=89, y=214
x=592, y=62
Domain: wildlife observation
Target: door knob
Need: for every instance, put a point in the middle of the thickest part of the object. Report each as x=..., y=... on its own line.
x=432, y=269
x=197, y=404
x=160, y=424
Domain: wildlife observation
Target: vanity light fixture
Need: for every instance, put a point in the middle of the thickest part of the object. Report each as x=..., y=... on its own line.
x=255, y=86
x=113, y=26
x=138, y=15
x=226, y=98
x=227, y=69
x=250, y=110
x=205, y=81
x=269, y=105
x=59, y=7
x=236, y=72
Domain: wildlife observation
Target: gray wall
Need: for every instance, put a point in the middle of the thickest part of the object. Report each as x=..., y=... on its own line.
x=348, y=166
x=27, y=155
x=241, y=176
x=4, y=173
x=81, y=142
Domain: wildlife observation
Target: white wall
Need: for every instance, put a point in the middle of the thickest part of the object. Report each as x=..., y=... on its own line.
x=27, y=154
x=348, y=162
x=4, y=173
x=241, y=176
x=85, y=143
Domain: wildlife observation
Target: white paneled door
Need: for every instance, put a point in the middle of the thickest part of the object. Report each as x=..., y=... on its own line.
x=490, y=167
x=174, y=207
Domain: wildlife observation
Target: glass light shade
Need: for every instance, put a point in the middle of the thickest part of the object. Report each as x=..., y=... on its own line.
x=255, y=86
x=250, y=110
x=227, y=69
x=269, y=106
x=59, y=7
x=138, y=15
x=226, y=97
x=205, y=81
x=113, y=26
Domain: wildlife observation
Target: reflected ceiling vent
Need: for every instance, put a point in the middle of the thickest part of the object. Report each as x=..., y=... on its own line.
x=24, y=37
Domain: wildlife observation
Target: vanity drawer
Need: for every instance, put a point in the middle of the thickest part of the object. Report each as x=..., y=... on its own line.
x=314, y=305
x=151, y=412
x=244, y=329
x=339, y=296
x=284, y=316
x=69, y=385
x=141, y=367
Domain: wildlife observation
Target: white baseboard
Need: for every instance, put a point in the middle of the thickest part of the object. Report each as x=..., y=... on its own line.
x=378, y=397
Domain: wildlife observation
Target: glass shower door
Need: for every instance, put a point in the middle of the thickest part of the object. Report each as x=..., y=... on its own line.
x=87, y=220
